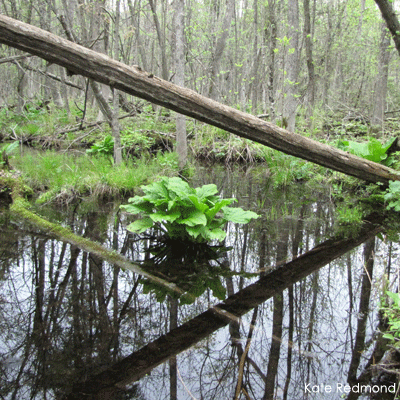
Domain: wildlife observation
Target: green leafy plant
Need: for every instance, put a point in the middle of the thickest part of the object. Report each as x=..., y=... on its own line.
x=392, y=195
x=392, y=314
x=183, y=212
x=372, y=150
x=6, y=151
x=103, y=148
x=188, y=218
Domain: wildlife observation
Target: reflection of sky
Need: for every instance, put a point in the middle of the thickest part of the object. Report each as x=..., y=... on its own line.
x=331, y=344
x=207, y=369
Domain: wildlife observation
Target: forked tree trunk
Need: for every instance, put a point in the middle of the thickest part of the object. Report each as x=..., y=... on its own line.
x=132, y=80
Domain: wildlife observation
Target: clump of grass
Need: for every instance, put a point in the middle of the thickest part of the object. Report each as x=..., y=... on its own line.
x=215, y=144
x=64, y=177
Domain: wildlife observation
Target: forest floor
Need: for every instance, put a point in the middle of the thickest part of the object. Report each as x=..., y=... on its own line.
x=63, y=156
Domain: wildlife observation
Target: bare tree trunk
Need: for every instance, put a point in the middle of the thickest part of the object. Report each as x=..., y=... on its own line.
x=381, y=82
x=290, y=90
x=392, y=22
x=308, y=38
x=277, y=323
x=173, y=369
x=161, y=41
x=22, y=82
x=272, y=39
x=219, y=50
x=359, y=345
x=256, y=59
x=181, y=140
x=114, y=121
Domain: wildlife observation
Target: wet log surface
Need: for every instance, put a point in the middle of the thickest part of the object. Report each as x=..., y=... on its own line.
x=130, y=369
x=131, y=79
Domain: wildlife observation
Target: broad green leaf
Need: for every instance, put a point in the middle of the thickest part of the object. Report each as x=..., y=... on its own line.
x=199, y=205
x=218, y=290
x=206, y=191
x=220, y=204
x=162, y=216
x=138, y=206
x=179, y=187
x=238, y=215
x=394, y=325
x=217, y=234
x=388, y=336
x=395, y=297
x=141, y=225
x=372, y=150
x=194, y=231
x=156, y=191
x=195, y=217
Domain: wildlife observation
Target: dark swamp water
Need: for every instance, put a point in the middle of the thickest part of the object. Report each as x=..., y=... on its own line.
x=71, y=322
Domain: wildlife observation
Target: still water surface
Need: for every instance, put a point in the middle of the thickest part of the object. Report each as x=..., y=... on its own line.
x=66, y=314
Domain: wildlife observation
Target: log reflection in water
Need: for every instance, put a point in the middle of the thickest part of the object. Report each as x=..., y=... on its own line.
x=141, y=362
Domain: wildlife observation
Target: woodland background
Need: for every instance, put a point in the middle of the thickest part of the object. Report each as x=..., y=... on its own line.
x=275, y=58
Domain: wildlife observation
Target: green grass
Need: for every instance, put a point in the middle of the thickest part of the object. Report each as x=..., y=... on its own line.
x=64, y=177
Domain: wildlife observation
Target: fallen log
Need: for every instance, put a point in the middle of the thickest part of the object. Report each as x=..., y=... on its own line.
x=133, y=80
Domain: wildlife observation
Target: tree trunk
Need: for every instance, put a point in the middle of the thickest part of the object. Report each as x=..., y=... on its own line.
x=181, y=142
x=381, y=82
x=365, y=294
x=219, y=49
x=290, y=80
x=308, y=39
x=132, y=80
x=116, y=132
x=161, y=41
x=392, y=22
x=173, y=367
x=272, y=39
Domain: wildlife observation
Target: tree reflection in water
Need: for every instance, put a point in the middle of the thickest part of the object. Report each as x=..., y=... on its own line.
x=67, y=315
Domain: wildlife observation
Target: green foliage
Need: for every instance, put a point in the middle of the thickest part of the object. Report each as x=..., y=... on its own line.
x=392, y=313
x=63, y=177
x=103, y=148
x=372, y=150
x=392, y=195
x=7, y=149
x=183, y=212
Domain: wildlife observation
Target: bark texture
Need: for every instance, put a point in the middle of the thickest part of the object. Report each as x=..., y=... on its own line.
x=133, y=80
x=391, y=20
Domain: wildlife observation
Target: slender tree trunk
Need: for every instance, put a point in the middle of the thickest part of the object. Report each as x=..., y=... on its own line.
x=115, y=113
x=389, y=15
x=308, y=38
x=254, y=86
x=277, y=323
x=219, y=50
x=366, y=286
x=272, y=39
x=181, y=141
x=381, y=83
x=292, y=63
x=173, y=369
x=161, y=41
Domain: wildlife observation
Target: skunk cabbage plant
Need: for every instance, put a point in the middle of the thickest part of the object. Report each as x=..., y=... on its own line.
x=184, y=213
